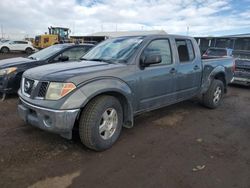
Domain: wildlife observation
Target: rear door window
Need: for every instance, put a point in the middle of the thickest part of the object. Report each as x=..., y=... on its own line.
x=185, y=50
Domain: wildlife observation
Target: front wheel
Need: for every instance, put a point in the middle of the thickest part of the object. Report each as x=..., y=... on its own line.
x=213, y=97
x=101, y=123
x=5, y=50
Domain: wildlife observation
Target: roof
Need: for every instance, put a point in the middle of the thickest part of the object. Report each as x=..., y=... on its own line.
x=246, y=35
x=239, y=35
x=113, y=34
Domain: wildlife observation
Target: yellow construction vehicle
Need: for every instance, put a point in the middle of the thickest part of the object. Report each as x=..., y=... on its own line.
x=56, y=35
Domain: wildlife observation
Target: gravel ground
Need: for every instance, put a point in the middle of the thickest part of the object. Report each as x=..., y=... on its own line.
x=183, y=145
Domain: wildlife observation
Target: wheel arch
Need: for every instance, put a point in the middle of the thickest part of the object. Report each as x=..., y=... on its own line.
x=219, y=73
x=112, y=87
x=222, y=77
x=5, y=47
x=126, y=106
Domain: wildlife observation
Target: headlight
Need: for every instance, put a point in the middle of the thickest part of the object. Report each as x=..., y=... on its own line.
x=58, y=90
x=7, y=71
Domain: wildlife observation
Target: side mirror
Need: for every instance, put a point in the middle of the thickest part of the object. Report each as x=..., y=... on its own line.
x=150, y=59
x=63, y=58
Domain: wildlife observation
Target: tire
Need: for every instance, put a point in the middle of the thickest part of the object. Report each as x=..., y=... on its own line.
x=28, y=50
x=99, y=127
x=5, y=50
x=213, y=97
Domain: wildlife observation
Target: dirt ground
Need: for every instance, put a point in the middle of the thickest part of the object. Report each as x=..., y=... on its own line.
x=181, y=146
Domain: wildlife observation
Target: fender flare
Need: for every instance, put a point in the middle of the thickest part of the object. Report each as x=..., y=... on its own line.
x=219, y=70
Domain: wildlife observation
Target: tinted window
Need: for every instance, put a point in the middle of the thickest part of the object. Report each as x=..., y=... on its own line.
x=20, y=42
x=190, y=49
x=161, y=46
x=76, y=53
x=185, y=50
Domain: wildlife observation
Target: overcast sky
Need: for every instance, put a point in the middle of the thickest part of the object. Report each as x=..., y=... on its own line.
x=203, y=17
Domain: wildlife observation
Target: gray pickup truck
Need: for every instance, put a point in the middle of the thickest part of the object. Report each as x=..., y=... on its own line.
x=116, y=80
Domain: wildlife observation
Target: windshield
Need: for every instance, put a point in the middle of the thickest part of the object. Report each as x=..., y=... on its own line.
x=118, y=49
x=4, y=41
x=47, y=52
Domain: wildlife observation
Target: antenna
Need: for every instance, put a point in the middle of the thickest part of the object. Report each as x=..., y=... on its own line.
x=2, y=30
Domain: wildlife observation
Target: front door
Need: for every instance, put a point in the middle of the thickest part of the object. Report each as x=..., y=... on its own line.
x=157, y=81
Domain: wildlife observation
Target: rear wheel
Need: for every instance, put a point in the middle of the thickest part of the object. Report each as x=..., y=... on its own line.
x=213, y=97
x=28, y=50
x=101, y=123
x=5, y=49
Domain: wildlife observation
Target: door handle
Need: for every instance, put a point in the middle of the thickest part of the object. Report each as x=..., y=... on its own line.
x=173, y=71
x=196, y=67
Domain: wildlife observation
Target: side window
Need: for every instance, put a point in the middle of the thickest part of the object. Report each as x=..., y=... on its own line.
x=73, y=53
x=185, y=50
x=161, y=46
x=21, y=42
x=190, y=50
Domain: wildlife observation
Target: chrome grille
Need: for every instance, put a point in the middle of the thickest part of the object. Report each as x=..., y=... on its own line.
x=242, y=69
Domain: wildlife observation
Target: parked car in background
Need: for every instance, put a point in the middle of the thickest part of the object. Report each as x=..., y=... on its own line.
x=242, y=68
x=11, y=70
x=17, y=45
x=118, y=79
x=217, y=52
x=3, y=41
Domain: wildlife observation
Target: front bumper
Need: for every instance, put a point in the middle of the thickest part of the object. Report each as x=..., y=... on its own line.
x=241, y=81
x=8, y=84
x=57, y=121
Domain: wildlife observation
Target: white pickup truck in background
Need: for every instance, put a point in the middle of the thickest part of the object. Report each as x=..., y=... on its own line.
x=17, y=45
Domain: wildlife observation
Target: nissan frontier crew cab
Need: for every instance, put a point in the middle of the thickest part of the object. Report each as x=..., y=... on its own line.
x=116, y=80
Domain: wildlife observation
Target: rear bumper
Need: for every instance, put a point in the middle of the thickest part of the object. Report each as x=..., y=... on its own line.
x=56, y=121
x=241, y=81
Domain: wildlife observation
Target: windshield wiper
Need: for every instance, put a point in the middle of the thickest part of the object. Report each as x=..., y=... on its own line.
x=99, y=59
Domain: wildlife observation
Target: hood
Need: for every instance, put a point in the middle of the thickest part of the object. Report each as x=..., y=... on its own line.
x=12, y=62
x=61, y=72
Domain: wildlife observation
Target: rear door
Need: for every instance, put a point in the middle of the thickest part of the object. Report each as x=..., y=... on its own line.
x=157, y=82
x=13, y=45
x=19, y=45
x=189, y=70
